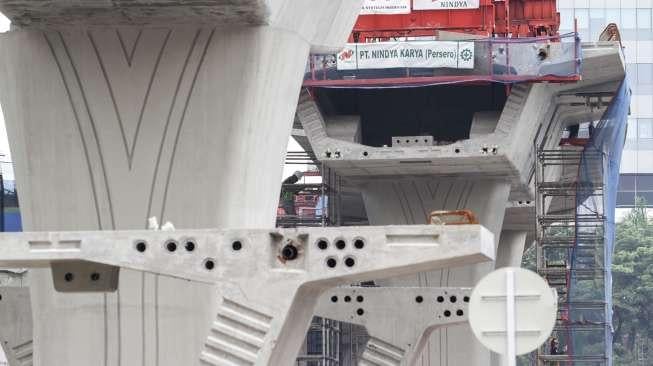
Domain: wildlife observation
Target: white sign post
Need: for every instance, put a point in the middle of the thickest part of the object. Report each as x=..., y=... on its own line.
x=512, y=311
x=385, y=7
x=445, y=4
x=410, y=54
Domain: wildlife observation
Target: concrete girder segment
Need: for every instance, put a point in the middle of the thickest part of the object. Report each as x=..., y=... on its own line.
x=267, y=282
x=403, y=183
x=117, y=112
x=398, y=320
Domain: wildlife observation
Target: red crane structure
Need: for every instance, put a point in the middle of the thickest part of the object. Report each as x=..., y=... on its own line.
x=502, y=31
x=503, y=18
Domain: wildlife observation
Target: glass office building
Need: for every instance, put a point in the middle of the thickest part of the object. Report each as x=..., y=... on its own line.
x=634, y=18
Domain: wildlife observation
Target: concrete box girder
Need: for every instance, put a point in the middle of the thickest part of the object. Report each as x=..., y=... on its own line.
x=531, y=114
x=259, y=286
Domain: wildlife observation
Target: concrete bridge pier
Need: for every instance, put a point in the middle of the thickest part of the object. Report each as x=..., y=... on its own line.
x=113, y=119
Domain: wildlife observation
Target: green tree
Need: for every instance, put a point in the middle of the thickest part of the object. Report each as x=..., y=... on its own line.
x=632, y=273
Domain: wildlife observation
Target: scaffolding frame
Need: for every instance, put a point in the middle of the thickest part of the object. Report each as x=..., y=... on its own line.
x=570, y=228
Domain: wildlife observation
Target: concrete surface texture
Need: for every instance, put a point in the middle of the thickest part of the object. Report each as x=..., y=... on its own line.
x=398, y=320
x=111, y=125
x=323, y=24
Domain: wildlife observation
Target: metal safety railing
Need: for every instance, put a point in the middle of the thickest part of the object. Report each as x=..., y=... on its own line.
x=504, y=60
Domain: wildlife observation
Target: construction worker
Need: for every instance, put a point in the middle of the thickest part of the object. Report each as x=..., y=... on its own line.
x=288, y=192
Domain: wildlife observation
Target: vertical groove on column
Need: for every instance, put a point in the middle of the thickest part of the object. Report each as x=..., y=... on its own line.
x=93, y=129
x=181, y=122
x=79, y=128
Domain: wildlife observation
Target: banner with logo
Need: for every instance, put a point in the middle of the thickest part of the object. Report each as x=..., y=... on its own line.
x=385, y=7
x=415, y=54
x=445, y=4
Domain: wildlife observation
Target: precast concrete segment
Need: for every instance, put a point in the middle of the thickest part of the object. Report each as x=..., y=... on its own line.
x=16, y=325
x=399, y=320
x=325, y=24
x=267, y=282
x=112, y=125
x=408, y=200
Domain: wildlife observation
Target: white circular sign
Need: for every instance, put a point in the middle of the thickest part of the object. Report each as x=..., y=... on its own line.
x=534, y=308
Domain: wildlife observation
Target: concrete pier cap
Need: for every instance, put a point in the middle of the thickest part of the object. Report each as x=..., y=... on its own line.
x=118, y=111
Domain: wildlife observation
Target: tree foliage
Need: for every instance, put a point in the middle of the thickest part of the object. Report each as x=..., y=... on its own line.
x=632, y=274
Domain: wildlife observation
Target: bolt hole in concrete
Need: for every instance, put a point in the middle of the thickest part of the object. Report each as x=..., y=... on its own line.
x=440, y=299
x=457, y=151
x=453, y=299
x=340, y=244
x=141, y=246
x=209, y=264
x=322, y=244
x=237, y=245
x=171, y=246
x=328, y=154
x=334, y=298
x=495, y=151
x=289, y=252
x=365, y=153
x=360, y=312
x=359, y=243
x=190, y=245
x=347, y=298
x=95, y=276
x=360, y=298
x=69, y=277
x=459, y=312
x=447, y=313
x=419, y=299
x=466, y=299
x=485, y=150
x=331, y=262
x=350, y=262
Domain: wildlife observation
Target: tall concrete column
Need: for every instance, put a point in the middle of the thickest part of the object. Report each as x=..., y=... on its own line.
x=409, y=201
x=111, y=125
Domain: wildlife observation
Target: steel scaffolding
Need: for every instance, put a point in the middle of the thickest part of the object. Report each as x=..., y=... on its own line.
x=571, y=253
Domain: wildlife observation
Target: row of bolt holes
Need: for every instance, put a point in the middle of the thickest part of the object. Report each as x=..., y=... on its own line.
x=171, y=246
x=331, y=262
x=347, y=298
x=484, y=150
x=418, y=299
x=69, y=277
x=440, y=299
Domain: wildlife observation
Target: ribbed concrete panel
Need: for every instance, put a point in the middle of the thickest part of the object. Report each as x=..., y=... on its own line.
x=408, y=201
x=112, y=125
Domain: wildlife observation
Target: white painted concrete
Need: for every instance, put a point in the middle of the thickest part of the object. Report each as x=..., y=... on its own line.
x=111, y=125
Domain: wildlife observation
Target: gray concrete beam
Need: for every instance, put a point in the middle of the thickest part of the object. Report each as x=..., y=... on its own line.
x=267, y=282
x=399, y=320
